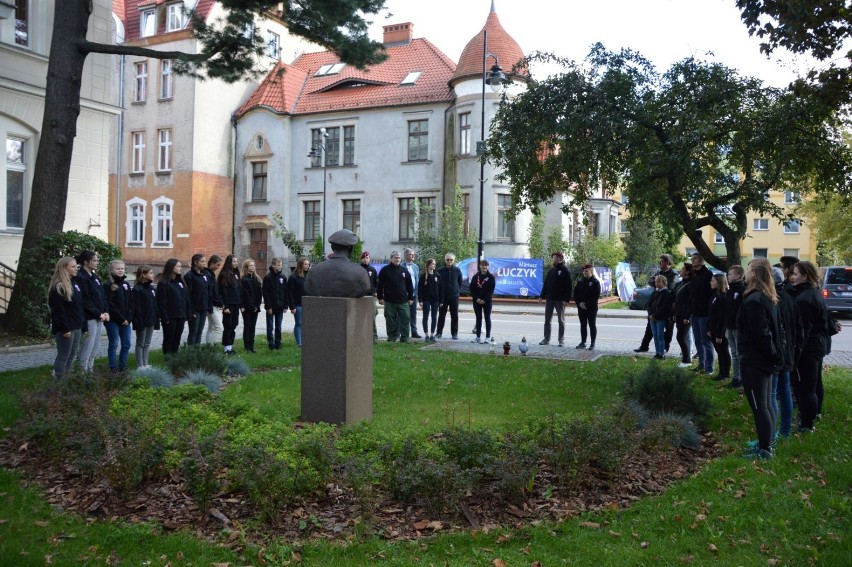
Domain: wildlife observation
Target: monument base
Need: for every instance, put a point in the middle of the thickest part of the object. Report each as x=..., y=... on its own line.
x=337, y=359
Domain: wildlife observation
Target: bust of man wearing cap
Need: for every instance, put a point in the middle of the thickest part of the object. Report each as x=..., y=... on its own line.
x=338, y=276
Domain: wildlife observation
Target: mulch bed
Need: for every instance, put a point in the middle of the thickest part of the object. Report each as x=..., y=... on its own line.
x=335, y=514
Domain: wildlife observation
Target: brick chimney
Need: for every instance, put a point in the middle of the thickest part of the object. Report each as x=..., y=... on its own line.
x=398, y=34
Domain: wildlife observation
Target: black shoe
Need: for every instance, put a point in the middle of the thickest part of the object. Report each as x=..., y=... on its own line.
x=720, y=378
x=438, y=335
x=640, y=349
x=736, y=384
x=455, y=337
x=581, y=345
x=415, y=335
x=592, y=346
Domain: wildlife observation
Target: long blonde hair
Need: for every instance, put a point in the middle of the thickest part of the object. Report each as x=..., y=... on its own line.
x=246, y=263
x=299, y=264
x=61, y=281
x=762, y=279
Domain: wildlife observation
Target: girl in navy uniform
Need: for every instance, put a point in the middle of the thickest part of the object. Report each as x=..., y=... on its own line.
x=199, y=298
x=275, y=302
x=295, y=291
x=252, y=296
x=214, y=316
x=145, y=315
x=587, y=292
x=716, y=325
x=94, y=308
x=430, y=294
x=231, y=296
x=65, y=300
x=120, y=304
x=481, y=291
x=172, y=305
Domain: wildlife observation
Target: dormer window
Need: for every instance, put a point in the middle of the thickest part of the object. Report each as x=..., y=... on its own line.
x=329, y=69
x=148, y=23
x=174, y=17
x=411, y=78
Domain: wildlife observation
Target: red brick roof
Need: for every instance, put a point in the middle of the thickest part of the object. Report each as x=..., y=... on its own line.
x=128, y=11
x=351, y=88
x=500, y=43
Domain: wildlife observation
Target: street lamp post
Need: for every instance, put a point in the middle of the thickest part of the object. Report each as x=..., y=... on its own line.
x=496, y=79
x=319, y=151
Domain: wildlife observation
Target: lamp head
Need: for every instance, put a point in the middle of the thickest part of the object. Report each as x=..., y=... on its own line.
x=496, y=78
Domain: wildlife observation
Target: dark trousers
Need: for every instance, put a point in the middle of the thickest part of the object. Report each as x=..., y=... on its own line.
x=646, y=338
x=683, y=340
x=482, y=310
x=171, y=335
x=451, y=304
x=249, y=324
x=196, y=328
x=806, y=388
x=588, y=317
x=430, y=308
x=412, y=316
x=273, y=328
x=724, y=356
x=230, y=320
x=757, y=386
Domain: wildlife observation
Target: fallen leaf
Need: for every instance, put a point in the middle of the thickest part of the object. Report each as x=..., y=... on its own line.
x=700, y=517
x=593, y=525
x=48, y=559
x=504, y=538
x=499, y=563
x=435, y=525
x=24, y=447
x=525, y=550
x=713, y=548
x=221, y=565
x=614, y=534
x=644, y=545
x=41, y=523
x=421, y=525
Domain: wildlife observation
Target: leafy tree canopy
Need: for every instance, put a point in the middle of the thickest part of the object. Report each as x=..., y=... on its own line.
x=821, y=28
x=696, y=146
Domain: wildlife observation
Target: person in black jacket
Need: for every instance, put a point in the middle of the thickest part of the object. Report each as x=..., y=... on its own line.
x=733, y=300
x=295, y=291
x=145, y=315
x=482, y=286
x=198, y=288
x=66, y=315
x=120, y=305
x=373, y=274
x=716, y=325
x=214, y=316
x=252, y=296
x=275, y=302
x=660, y=306
x=760, y=343
x=587, y=292
x=451, y=280
x=230, y=292
x=666, y=270
x=804, y=287
x=782, y=395
x=172, y=304
x=430, y=292
x=395, y=291
x=556, y=293
x=682, y=309
x=94, y=307
x=701, y=295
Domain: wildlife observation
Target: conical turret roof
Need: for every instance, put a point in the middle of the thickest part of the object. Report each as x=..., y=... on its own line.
x=500, y=43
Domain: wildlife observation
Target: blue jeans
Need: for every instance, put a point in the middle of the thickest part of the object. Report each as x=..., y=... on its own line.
x=117, y=332
x=273, y=336
x=658, y=330
x=731, y=335
x=297, y=325
x=65, y=349
x=782, y=396
x=703, y=343
x=196, y=328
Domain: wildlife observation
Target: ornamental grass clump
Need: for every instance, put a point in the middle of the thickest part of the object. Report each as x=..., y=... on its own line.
x=668, y=389
x=212, y=382
x=156, y=376
x=667, y=430
x=237, y=367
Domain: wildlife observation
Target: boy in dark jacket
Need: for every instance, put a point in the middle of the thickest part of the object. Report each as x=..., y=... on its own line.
x=275, y=302
x=556, y=293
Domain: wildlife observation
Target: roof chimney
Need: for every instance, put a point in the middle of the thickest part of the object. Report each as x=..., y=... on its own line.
x=398, y=34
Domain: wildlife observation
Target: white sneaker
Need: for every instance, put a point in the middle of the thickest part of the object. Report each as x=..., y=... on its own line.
x=684, y=364
x=475, y=340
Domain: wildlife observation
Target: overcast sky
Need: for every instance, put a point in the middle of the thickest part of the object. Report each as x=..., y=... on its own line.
x=664, y=31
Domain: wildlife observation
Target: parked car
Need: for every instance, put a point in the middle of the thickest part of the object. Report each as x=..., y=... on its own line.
x=837, y=288
x=641, y=295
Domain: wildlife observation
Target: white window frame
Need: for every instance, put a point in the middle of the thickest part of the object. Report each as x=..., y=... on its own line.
x=135, y=221
x=20, y=168
x=273, y=45
x=164, y=149
x=303, y=219
x=790, y=225
x=465, y=132
x=417, y=211
x=765, y=253
x=148, y=23
x=351, y=214
x=792, y=252
x=253, y=177
x=501, y=212
x=167, y=80
x=175, y=19
x=22, y=37
x=137, y=156
x=417, y=137
x=718, y=238
x=760, y=224
x=792, y=197
x=140, y=84
x=163, y=210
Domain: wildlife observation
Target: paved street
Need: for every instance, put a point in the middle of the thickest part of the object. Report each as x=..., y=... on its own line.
x=619, y=332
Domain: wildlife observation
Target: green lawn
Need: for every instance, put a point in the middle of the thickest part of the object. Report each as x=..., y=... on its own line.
x=793, y=510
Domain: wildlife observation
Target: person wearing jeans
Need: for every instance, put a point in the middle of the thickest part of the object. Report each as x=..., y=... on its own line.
x=65, y=301
x=119, y=300
x=701, y=295
x=275, y=302
x=295, y=291
x=659, y=312
x=414, y=270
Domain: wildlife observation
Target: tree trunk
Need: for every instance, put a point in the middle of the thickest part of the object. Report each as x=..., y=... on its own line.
x=49, y=192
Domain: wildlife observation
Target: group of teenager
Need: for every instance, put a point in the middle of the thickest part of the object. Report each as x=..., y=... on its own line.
x=767, y=326
x=211, y=293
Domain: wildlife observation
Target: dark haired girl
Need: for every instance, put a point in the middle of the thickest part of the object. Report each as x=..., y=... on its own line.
x=230, y=293
x=172, y=304
x=199, y=298
x=145, y=314
x=94, y=307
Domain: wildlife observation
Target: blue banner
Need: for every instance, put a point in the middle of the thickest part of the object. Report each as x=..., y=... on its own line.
x=521, y=277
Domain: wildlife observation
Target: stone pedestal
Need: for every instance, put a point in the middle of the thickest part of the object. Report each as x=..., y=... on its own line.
x=337, y=359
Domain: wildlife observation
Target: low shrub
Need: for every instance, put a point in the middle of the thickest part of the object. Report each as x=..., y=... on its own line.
x=423, y=475
x=207, y=357
x=201, y=466
x=237, y=367
x=132, y=454
x=666, y=430
x=472, y=450
x=201, y=378
x=156, y=376
x=515, y=472
x=668, y=389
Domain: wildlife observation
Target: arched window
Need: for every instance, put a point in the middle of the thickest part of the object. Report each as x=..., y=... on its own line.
x=135, y=224
x=163, y=221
